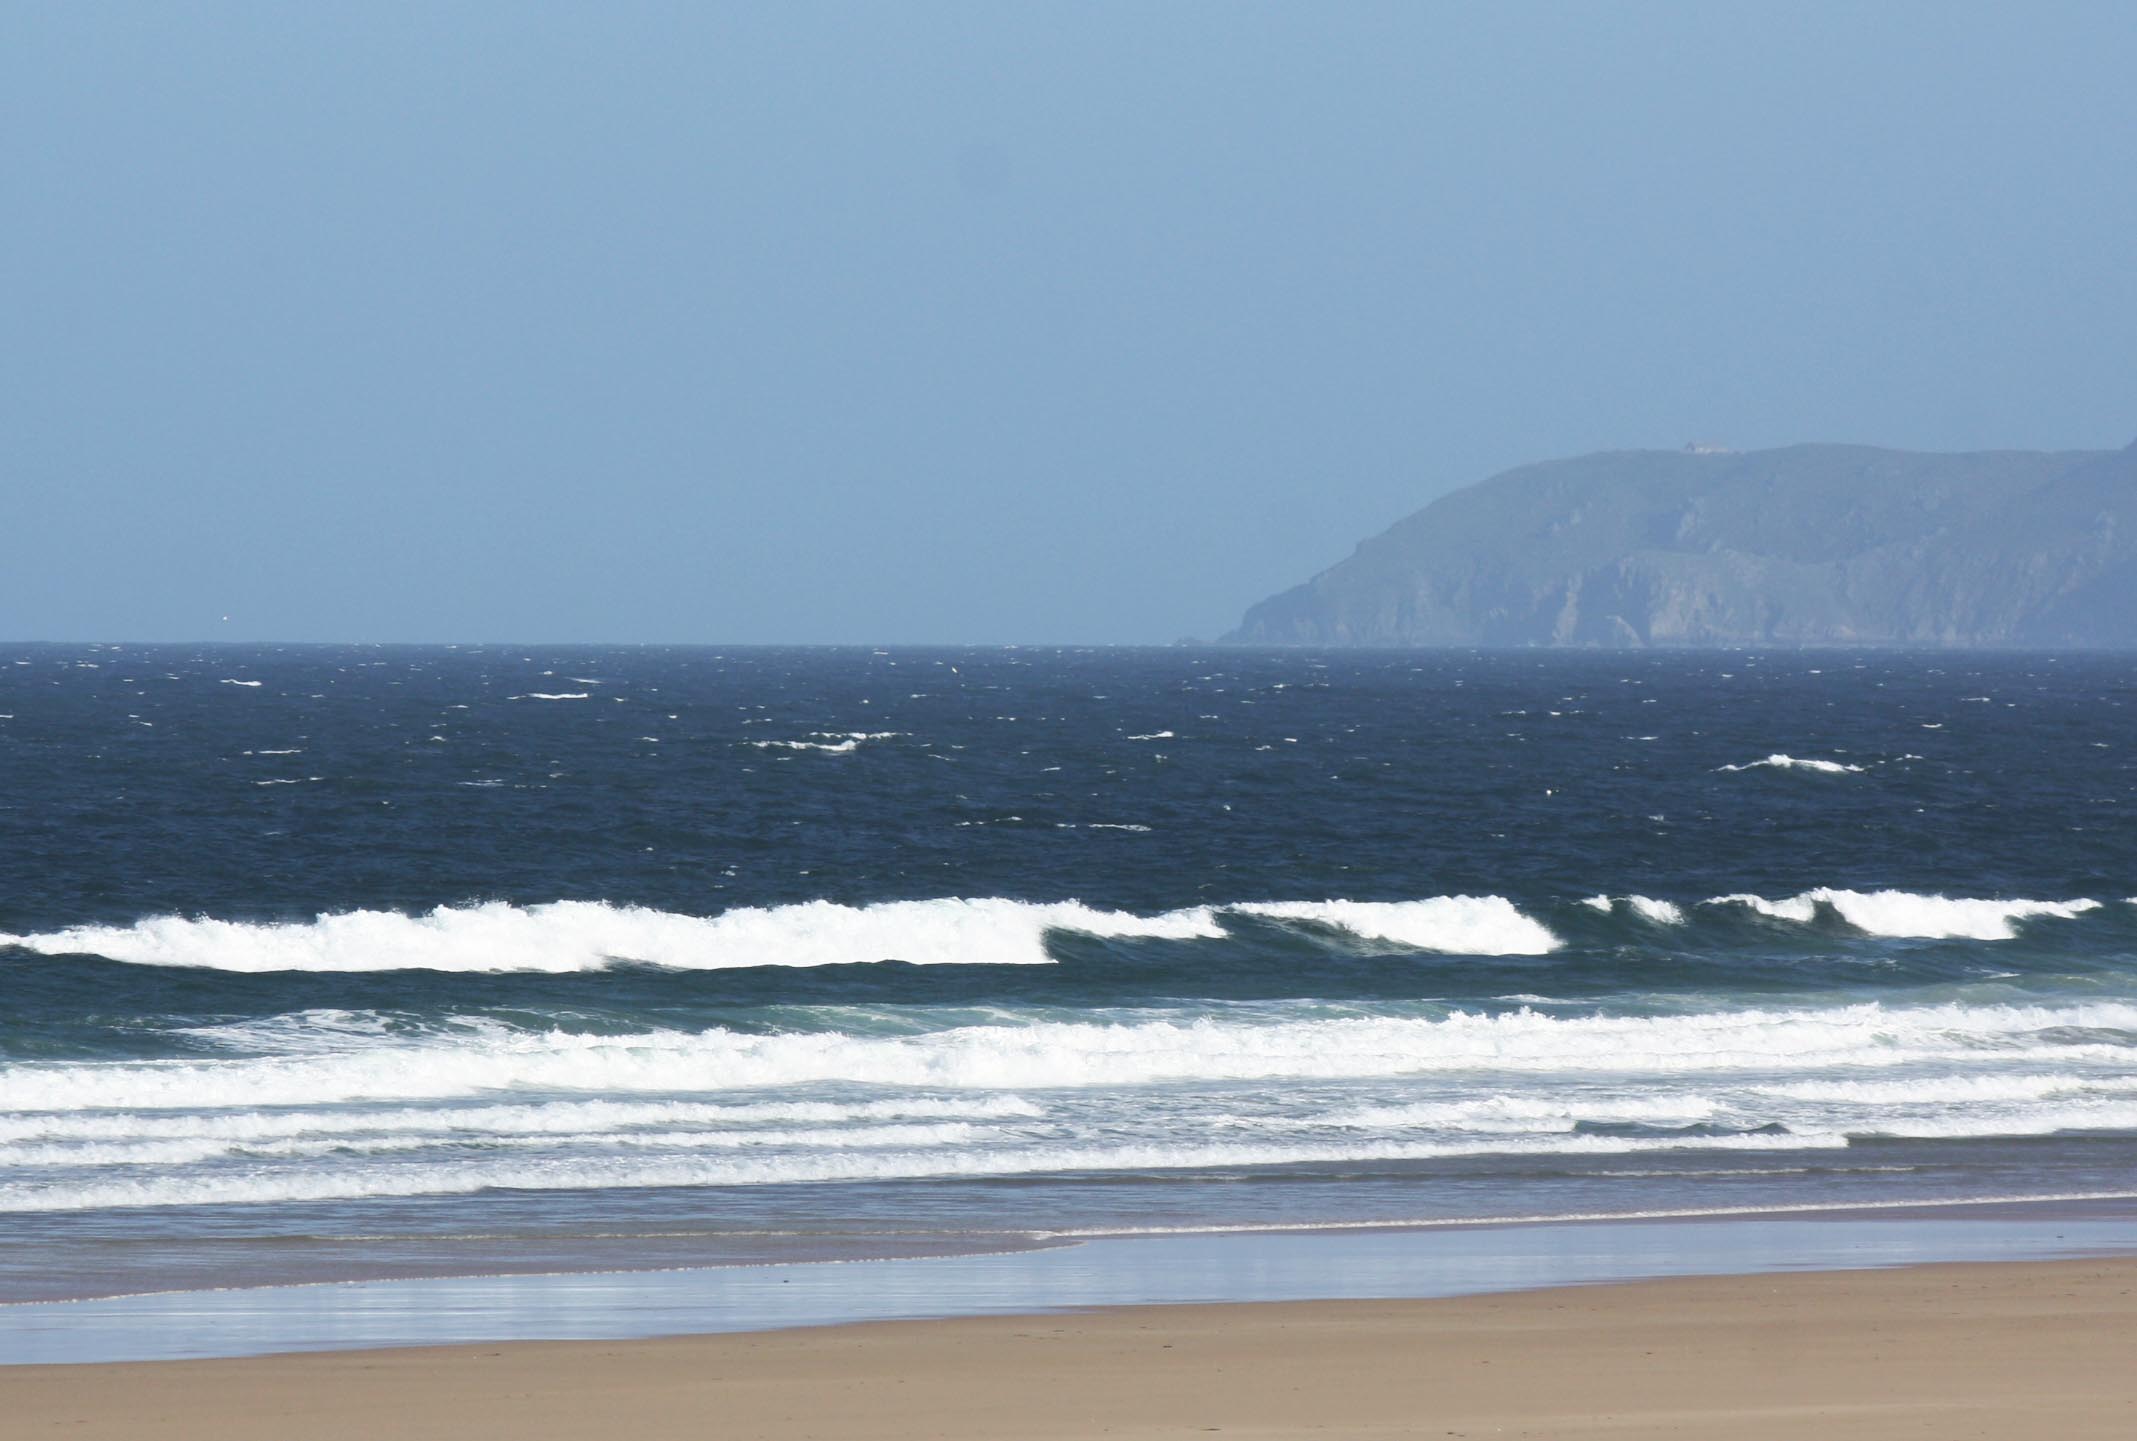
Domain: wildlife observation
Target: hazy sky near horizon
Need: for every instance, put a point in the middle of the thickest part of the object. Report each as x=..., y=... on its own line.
x=989, y=322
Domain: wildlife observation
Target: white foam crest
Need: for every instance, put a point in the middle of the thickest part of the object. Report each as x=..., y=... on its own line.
x=1661, y=913
x=1778, y=761
x=1461, y=925
x=312, y=1181
x=1900, y=913
x=533, y=1119
x=588, y=935
x=1021, y=1058
x=830, y=742
x=1907, y=915
x=1800, y=909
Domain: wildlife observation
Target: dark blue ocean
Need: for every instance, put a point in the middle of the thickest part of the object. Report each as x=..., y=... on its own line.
x=322, y=962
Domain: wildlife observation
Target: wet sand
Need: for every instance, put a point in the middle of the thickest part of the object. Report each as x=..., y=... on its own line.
x=2040, y=1350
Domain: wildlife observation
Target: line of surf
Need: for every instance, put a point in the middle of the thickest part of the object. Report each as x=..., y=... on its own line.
x=489, y=1059
x=565, y=936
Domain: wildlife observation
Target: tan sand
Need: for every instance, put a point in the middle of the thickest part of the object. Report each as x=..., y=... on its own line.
x=2021, y=1350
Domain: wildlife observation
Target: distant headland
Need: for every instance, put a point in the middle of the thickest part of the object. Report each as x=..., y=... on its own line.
x=1809, y=545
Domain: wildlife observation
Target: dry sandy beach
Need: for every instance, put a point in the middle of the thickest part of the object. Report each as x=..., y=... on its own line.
x=2034, y=1350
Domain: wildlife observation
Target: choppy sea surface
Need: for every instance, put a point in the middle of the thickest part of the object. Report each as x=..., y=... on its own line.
x=342, y=962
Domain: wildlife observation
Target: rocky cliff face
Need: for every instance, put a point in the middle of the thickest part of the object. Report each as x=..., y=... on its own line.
x=1810, y=545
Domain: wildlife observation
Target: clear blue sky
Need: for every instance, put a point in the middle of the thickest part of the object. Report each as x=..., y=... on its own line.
x=992, y=322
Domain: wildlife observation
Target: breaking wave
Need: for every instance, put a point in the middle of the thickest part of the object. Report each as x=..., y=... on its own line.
x=1778, y=761
x=1906, y=915
x=566, y=936
x=1466, y=925
x=589, y=935
x=1661, y=913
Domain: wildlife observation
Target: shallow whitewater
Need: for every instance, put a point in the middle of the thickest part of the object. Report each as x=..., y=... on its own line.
x=345, y=1106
